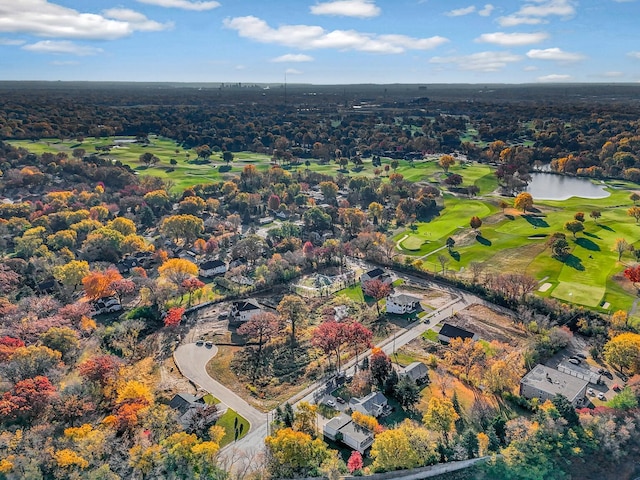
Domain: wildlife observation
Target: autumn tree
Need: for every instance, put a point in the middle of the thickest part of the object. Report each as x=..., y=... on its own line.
x=61, y=339
x=465, y=355
x=355, y=463
x=407, y=392
x=377, y=290
x=574, y=226
x=173, y=317
x=579, y=216
x=304, y=419
x=441, y=416
x=123, y=288
x=620, y=246
x=634, y=197
x=446, y=161
x=101, y=368
x=358, y=337
x=186, y=227
x=260, y=328
x=293, y=454
x=329, y=191
x=177, y=270
x=475, y=222
x=634, y=212
x=27, y=398
x=191, y=285
x=595, y=214
x=503, y=205
x=293, y=310
x=623, y=351
x=71, y=274
x=406, y=446
x=375, y=212
x=100, y=284
x=380, y=366
x=524, y=201
x=8, y=345
x=30, y=362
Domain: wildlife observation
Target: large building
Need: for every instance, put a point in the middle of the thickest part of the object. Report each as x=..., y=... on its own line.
x=343, y=429
x=545, y=383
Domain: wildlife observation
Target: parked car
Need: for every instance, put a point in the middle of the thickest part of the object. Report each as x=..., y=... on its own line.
x=223, y=315
x=340, y=400
x=601, y=396
x=575, y=358
x=208, y=344
x=581, y=355
x=574, y=361
x=199, y=343
x=330, y=403
x=590, y=392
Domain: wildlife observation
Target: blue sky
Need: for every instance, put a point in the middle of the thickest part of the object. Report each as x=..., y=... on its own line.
x=321, y=41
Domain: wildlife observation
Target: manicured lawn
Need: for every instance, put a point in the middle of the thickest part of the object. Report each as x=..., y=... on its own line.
x=228, y=421
x=430, y=335
x=354, y=293
x=210, y=399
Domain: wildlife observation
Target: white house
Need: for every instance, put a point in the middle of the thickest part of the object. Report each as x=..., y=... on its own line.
x=373, y=404
x=401, y=303
x=342, y=429
x=244, y=310
x=416, y=371
x=211, y=268
x=376, y=274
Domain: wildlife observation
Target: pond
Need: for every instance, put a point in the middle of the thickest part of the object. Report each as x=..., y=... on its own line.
x=547, y=186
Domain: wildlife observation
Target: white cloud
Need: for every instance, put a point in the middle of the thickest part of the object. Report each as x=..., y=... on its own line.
x=486, y=10
x=634, y=55
x=240, y=67
x=530, y=68
x=313, y=37
x=293, y=57
x=481, y=61
x=554, y=54
x=64, y=63
x=554, y=77
x=512, y=39
x=459, y=12
x=293, y=71
x=11, y=42
x=347, y=8
x=46, y=19
x=535, y=12
x=183, y=4
x=62, y=47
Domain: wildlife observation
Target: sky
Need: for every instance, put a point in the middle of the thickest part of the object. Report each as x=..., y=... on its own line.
x=321, y=41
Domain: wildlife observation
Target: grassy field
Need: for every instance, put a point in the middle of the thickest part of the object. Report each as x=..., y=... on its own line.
x=228, y=421
x=515, y=242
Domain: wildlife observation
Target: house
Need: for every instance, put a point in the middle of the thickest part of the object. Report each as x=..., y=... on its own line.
x=373, y=404
x=340, y=312
x=211, y=268
x=401, y=303
x=244, y=310
x=127, y=264
x=448, y=331
x=342, y=429
x=186, y=405
x=237, y=262
x=416, y=371
x=376, y=274
x=48, y=286
x=545, y=383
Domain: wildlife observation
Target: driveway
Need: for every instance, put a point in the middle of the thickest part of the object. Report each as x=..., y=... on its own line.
x=192, y=360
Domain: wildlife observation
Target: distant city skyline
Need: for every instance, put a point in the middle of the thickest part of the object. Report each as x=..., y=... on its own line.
x=321, y=41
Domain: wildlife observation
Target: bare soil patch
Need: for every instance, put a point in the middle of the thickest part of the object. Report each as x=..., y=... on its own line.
x=489, y=325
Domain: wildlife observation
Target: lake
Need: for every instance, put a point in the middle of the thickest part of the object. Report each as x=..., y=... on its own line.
x=547, y=186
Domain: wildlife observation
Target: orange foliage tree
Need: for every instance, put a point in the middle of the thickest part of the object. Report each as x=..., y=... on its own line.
x=100, y=284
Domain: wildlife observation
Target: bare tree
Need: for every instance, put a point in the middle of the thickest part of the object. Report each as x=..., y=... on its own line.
x=444, y=260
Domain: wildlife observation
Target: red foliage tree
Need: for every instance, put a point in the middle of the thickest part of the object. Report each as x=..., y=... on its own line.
x=355, y=462
x=330, y=336
x=633, y=274
x=27, y=398
x=174, y=317
x=191, y=285
x=101, y=369
x=380, y=366
x=122, y=288
x=358, y=336
x=8, y=345
x=376, y=289
x=273, y=202
x=75, y=311
x=260, y=328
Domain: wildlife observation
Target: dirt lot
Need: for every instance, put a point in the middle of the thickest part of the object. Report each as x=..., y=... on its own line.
x=489, y=325
x=430, y=296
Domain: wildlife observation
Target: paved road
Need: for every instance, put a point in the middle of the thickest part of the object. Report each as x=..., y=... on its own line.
x=243, y=454
x=192, y=360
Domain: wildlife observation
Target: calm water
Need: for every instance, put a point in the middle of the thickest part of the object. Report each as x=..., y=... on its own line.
x=546, y=186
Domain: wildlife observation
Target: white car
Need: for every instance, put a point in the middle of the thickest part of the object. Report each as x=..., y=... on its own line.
x=601, y=396
x=330, y=403
x=590, y=392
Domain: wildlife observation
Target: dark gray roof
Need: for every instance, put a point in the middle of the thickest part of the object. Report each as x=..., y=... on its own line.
x=211, y=264
x=246, y=305
x=452, y=331
x=403, y=299
x=183, y=402
x=415, y=371
x=376, y=272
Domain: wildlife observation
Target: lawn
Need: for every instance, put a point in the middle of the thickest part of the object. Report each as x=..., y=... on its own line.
x=232, y=421
x=354, y=293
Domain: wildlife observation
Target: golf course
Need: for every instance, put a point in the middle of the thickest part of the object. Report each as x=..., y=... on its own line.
x=509, y=240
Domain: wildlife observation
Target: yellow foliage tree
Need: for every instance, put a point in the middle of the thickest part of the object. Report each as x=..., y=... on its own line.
x=67, y=458
x=134, y=391
x=483, y=443
x=367, y=421
x=624, y=351
x=177, y=270
x=524, y=201
x=441, y=416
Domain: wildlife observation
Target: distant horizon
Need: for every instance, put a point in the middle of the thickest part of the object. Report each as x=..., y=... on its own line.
x=321, y=42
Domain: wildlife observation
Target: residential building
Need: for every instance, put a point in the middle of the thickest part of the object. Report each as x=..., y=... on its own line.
x=373, y=404
x=343, y=429
x=545, y=383
x=127, y=264
x=376, y=274
x=416, y=371
x=211, y=268
x=448, y=331
x=187, y=404
x=401, y=303
x=244, y=310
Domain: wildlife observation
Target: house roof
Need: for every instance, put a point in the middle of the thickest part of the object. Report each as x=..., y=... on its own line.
x=183, y=402
x=356, y=432
x=403, y=299
x=246, y=305
x=338, y=422
x=376, y=272
x=452, y=331
x=211, y=264
x=415, y=371
x=371, y=400
x=552, y=381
